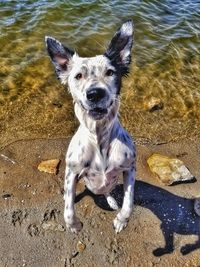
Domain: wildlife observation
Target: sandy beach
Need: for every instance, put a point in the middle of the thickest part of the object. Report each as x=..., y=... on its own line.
x=163, y=230
x=159, y=107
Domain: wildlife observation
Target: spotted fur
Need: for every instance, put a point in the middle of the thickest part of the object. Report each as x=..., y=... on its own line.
x=101, y=149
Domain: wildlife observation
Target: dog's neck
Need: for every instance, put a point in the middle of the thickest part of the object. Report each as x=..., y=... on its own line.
x=99, y=131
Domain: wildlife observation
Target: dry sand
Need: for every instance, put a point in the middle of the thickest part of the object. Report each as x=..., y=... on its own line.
x=163, y=230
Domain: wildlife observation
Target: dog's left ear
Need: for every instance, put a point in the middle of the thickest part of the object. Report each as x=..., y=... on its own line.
x=119, y=49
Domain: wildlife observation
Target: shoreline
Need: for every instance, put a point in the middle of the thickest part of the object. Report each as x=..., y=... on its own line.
x=32, y=213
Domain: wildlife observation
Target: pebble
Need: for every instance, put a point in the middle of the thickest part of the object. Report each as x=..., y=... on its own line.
x=49, y=166
x=169, y=170
x=197, y=206
x=80, y=246
x=6, y=196
x=52, y=226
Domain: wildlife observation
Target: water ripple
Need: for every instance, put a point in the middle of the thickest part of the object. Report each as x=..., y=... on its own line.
x=165, y=59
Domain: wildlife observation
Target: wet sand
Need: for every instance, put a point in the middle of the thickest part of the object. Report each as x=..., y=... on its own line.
x=32, y=229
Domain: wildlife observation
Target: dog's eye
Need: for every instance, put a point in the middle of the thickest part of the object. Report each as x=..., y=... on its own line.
x=78, y=76
x=110, y=72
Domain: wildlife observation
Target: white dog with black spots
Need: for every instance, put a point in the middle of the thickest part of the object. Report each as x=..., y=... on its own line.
x=101, y=149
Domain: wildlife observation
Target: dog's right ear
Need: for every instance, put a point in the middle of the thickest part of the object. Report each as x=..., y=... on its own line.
x=60, y=56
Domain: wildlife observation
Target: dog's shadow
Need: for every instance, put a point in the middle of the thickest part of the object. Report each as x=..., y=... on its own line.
x=175, y=213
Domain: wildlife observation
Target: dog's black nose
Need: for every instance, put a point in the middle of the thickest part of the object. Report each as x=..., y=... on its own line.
x=96, y=94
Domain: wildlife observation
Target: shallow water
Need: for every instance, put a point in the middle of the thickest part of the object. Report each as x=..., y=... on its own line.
x=165, y=68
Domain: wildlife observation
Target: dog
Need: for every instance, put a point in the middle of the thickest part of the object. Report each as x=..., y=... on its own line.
x=101, y=149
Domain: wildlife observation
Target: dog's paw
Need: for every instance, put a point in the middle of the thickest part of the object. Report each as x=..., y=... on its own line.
x=112, y=202
x=75, y=226
x=119, y=225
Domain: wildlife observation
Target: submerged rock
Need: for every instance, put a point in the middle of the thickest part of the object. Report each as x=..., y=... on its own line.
x=197, y=206
x=169, y=170
x=49, y=166
x=153, y=104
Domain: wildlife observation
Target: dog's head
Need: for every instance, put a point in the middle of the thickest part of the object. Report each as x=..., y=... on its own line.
x=94, y=82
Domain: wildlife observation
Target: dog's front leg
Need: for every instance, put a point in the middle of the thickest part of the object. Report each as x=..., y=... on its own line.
x=72, y=222
x=122, y=217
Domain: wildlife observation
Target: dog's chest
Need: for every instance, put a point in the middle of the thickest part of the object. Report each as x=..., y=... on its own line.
x=102, y=174
x=100, y=164
x=100, y=181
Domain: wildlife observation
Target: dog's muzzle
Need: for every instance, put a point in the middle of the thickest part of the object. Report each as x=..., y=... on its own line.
x=97, y=99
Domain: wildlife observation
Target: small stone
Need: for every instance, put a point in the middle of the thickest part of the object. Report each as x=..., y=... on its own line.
x=10, y=83
x=57, y=104
x=6, y=196
x=52, y=226
x=80, y=246
x=169, y=170
x=49, y=166
x=197, y=206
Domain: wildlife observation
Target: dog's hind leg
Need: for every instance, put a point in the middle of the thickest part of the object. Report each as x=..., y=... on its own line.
x=112, y=202
x=122, y=218
x=190, y=247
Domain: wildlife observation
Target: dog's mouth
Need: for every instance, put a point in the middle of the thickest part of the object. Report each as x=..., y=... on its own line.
x=98, y=113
